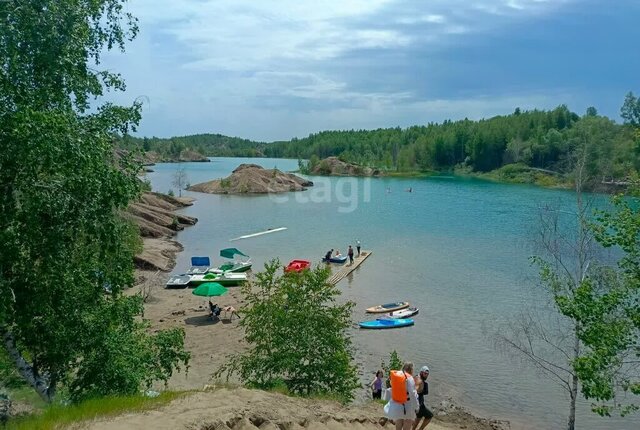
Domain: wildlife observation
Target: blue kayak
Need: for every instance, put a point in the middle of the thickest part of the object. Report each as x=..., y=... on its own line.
x=340, y=260
x=383, y=323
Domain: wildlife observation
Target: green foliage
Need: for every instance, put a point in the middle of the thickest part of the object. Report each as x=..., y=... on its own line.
x=225, y=183
x=67, y=252
x=297, y=335
x=607, y=310
x=395, y=363
x=9, y=376
x=538, y=139
x=58, y=416
x=630, y=110
x=210, y=145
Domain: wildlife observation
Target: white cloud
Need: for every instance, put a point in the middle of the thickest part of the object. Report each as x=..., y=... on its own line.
x=213, y=65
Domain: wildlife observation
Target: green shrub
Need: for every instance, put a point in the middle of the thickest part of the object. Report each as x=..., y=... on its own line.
x=297, y=335
x=56, y=416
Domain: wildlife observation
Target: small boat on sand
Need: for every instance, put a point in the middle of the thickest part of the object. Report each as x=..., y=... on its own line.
x=226, y=279
x=341, y=259
x=297, y=266
x=199, y=265
x=403, y=313
x=388, y=307
x=178, y=281
x=383, y=323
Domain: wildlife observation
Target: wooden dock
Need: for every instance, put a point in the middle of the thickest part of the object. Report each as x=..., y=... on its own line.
x=348, y=268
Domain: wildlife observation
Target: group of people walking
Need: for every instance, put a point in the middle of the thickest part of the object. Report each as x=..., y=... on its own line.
x=406, y=397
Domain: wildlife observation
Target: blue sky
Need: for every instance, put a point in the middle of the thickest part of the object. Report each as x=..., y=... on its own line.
x=270, y=70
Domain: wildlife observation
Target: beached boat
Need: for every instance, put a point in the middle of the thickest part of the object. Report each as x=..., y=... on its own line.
x=227, y=279
x=199, y=266
x=335, y=259
x=178, y=281
x=297, y=266
x=388, y=307
x=236, y=266
x=403, y=313
x=186, y=280
x=383, y=323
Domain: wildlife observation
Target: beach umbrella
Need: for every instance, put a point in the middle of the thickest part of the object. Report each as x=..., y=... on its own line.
x=210, y=289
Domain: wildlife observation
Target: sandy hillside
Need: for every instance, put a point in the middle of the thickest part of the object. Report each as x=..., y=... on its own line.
x=243, y=409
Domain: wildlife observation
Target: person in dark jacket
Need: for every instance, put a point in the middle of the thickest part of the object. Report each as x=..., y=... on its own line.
x=422, y=388
x=327, y=256
x=350, y=254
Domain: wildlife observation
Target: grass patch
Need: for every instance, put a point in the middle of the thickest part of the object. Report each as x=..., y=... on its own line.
x=519, y=174
x=60, y=416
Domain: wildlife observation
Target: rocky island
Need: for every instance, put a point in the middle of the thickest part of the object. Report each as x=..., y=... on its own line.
x=333, y=166
x=253, y=179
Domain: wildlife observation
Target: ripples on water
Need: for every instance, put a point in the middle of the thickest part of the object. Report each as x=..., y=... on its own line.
x=456, y=248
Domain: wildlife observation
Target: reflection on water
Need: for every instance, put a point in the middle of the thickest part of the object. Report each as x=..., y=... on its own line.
x=456, y=248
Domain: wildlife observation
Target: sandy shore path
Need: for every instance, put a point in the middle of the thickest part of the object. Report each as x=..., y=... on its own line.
x=244, y=409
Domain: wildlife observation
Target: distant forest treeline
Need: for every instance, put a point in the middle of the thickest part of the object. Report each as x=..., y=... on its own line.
x=537, y=139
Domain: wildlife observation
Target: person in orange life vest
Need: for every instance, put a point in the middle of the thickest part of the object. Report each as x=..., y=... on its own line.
x=422, y=388
x=402, y=397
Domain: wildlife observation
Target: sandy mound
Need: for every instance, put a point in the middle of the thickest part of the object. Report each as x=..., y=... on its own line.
x=243, y=409
x=253, y=179
x=332, y=166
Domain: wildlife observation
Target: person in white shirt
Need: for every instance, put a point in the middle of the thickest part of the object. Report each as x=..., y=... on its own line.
x=403, y=414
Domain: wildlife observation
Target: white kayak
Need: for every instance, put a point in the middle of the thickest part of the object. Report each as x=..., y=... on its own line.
x=403, y=313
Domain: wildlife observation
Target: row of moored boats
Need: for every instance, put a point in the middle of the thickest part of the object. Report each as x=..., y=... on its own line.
x=232, y=273
x=228, y=274
x=396, y=315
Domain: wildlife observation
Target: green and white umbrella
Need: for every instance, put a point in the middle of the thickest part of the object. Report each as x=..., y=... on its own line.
x=209, y=289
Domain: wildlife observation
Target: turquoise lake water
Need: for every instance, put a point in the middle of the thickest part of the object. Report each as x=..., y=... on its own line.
x=457, y=248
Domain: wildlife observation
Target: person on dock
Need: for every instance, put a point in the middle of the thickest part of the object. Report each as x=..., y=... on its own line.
x=358, y=247
x=376, y=385
x=422, y=388
x=402, y=412
x=327, y=256
x=350, y=254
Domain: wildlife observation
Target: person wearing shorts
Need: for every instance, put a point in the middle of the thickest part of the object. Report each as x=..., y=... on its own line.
x=422, y=388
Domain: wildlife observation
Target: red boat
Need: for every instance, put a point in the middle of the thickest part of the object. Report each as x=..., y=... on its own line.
x=297, y=266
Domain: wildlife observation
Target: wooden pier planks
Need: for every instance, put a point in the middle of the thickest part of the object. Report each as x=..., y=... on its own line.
x=348, y=268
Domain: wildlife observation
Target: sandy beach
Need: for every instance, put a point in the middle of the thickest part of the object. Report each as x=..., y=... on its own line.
x=244, y=409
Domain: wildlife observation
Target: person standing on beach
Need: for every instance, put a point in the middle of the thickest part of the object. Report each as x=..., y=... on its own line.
x=376, y=385
x=358, y=247
x=403, y=414
x=422, y=388
x=350, y=254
